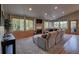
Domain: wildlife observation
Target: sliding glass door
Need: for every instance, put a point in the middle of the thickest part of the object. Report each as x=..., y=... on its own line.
x=73, y=26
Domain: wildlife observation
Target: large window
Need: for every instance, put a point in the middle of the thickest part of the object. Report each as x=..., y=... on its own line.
x=45, y=24
x=15, y=24
x=29, y=24
x=63, y=25
x=50, y=24
x=21, y=24
x=56, y=24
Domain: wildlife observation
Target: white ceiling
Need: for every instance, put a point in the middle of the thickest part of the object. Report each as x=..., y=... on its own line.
x=39, y=10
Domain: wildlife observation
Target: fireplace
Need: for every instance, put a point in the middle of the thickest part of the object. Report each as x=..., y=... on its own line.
x=39, y=26
x=39, y=31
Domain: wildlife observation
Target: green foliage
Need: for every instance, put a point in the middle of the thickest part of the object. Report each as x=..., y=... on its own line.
x=7, y=24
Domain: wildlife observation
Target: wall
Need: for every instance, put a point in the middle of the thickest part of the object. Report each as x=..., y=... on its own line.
x=78, y=27
x=1, y=36
x=73, y=16
x=1, y=27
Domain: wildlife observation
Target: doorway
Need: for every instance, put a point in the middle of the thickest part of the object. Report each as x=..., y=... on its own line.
x=73, y=27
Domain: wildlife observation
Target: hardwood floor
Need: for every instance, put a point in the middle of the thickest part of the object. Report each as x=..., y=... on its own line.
x=26, y=46
x=70, y=45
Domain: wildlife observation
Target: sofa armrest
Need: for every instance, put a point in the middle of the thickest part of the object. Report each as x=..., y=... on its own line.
x=42, y=43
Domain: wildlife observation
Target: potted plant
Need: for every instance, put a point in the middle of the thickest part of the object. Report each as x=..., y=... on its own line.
x=9, y=39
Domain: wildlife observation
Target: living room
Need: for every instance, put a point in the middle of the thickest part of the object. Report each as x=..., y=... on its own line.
x=42, y=29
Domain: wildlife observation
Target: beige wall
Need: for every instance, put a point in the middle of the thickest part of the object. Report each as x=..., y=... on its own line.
x=78, y=26
x=1, y=35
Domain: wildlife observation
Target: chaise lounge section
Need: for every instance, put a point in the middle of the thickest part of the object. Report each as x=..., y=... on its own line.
x=52, y=38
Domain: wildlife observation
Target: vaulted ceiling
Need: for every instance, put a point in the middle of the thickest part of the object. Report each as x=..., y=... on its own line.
x=43, y=11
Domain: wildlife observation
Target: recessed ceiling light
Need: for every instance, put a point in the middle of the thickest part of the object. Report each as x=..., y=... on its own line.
x=30, y=9
x=55, y=7
x=45, y=14
x=63, y=12
x=51, y=19
x=54, y=16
